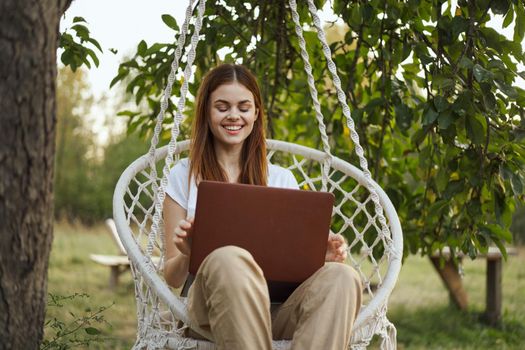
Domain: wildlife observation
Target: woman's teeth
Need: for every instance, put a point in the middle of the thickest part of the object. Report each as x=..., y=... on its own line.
x=233, y=128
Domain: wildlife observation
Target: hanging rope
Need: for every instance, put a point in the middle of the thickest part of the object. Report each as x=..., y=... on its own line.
x=341, y=96
x=161, y=191
x=164, y=106
x=314, y=93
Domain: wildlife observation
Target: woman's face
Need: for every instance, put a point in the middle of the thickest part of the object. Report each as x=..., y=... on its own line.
x=232, y=114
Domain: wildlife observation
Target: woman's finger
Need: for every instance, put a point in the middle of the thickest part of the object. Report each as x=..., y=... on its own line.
x=185, y=224
x=181, y=234
x=338, y=243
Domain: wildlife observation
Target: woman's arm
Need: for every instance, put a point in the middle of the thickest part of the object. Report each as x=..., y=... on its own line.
x=176, y=243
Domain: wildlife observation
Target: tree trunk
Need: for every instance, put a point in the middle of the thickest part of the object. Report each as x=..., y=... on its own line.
x=28, y=43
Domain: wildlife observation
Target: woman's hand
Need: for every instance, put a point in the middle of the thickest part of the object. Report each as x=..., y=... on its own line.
x=336, y=249
x=181, y=236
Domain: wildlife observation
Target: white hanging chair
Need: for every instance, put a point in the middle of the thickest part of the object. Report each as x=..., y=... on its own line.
x=362, y=211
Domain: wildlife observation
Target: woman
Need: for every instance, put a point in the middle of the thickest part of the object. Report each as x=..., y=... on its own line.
x=229, y=295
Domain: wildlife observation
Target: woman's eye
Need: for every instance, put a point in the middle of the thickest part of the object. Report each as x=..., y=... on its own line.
x=222, y=109
x=244, y=110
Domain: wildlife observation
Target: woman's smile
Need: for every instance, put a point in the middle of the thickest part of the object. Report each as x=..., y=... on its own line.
x=232, y=114
x=233, y=129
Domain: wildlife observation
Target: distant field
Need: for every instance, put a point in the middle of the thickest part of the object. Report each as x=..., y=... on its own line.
x=418, y=307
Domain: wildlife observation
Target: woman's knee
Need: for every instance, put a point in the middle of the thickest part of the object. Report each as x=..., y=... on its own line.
x=339, y=274
x=227, y=255
x=227, y=260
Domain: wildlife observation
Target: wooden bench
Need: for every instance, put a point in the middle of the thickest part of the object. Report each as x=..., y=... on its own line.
x=453, y=281
x=117, y=264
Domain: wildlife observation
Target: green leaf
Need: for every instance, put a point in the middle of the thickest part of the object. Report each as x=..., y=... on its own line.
x=476, y=127
x=403, y=116
x=79, y=19
x=495, y=63
x=465, y=63
x=500, y=7
x=429, y=116
x=119, y=77
x=449, y=134
x=499, y=232
x=82, y=31
x=170, y=21
x=481, y=74
x=516, y=184
x=419, y=136
x=93, y=56
x=68, y=59
x=507, y=89
x=453, y=188
x=355, y=17
x=442, y=82
x=437, y=208
x=442, y=178
x=501, y=247
x=370, y=106
x=96, y=43
x=458, y=26
x=127, y=113
x=463, y=103
x=141, y=48
x=92, y=331
x=489, y=101
x=508, y=19
x=441, y=103
x=445, y=119
x=519, y=25
x=368, y=12
x=155, y=48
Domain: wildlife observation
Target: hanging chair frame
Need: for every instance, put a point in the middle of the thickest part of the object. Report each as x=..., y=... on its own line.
x=372, y=317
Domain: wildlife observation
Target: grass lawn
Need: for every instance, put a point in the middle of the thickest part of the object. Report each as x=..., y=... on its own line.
x=419, y=305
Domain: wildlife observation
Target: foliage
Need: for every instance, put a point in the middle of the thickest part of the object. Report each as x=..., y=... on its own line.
x=86, y=173
x=80, y=331
x=118, y=154
x=74, y=187
x=431, y=87
x=78, y=48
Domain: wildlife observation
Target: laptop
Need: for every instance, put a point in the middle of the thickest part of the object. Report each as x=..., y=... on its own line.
x=285, y=230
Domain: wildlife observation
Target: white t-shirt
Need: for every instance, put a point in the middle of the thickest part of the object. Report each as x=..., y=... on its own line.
x=186, y=196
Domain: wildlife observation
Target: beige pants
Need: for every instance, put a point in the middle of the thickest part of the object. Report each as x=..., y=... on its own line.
x=230, y=298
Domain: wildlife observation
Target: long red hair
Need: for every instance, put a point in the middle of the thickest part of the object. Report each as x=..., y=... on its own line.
x=203, y=160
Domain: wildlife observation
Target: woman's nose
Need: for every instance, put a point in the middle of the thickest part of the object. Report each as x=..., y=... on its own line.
x=233, y=116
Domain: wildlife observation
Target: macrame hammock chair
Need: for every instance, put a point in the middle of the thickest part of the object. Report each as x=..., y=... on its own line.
x=362, y=210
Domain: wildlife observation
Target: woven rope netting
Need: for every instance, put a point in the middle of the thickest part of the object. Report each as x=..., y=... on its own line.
x=362, y=212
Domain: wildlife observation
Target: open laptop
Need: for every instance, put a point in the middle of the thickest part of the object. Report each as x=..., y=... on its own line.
x=285, y=230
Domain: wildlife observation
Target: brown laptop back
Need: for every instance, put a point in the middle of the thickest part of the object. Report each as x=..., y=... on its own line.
x=285, y=230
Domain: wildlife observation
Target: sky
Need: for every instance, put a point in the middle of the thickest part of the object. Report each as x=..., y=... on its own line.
x=121, y=24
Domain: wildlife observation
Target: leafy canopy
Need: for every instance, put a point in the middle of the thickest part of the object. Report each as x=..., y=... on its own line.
x=431, y=86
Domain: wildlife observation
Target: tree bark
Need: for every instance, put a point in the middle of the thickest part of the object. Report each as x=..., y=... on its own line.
x=29, y=32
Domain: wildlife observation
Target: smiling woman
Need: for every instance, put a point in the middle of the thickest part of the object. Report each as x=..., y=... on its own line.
x=228, y=138
x=228, y=145
x=233, y=114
